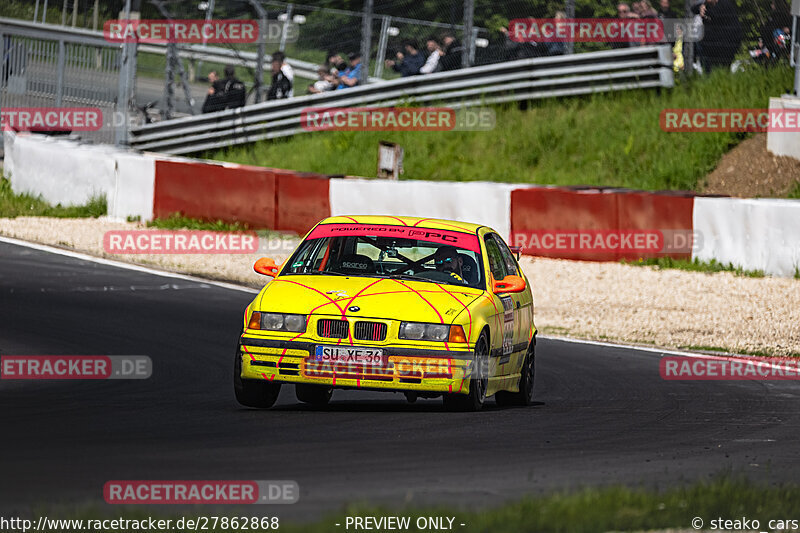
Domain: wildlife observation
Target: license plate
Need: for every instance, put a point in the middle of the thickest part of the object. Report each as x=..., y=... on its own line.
x=349, y=354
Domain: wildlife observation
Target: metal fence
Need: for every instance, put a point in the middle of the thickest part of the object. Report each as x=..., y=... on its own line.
x=54, y=67
x=633, y=68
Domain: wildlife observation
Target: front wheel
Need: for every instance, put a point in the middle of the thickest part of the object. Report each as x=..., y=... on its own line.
x=253, y=392
x=524, y=396
x=479, y=381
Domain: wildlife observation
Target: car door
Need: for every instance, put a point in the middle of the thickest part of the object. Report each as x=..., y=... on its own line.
x=504, y=303
x=522, y=306
x=523, y=301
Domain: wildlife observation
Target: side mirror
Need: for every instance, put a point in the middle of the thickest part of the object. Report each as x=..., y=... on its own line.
x=509, y=284
x=516, y=250
x=266, y=266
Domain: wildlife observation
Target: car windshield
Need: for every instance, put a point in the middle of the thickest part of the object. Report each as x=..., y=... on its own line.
x=401, y=252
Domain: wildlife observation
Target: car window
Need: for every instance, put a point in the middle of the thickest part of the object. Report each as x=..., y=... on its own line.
x=508, y=257
x=496, y=263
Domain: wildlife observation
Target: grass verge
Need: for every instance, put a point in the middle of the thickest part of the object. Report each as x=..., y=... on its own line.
x=14, y=205
x=589, y=510
x=695, y=266
x=609, y=139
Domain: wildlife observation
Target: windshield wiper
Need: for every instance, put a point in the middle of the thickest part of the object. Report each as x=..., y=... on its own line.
x=409, y=277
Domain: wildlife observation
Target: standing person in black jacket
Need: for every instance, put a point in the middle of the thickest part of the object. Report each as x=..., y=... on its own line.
x=281, y=86
x=722, y=34
x=226, y=93
x=451, y=52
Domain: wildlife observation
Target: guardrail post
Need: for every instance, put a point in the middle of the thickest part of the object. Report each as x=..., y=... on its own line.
x=469, y=39
x=62, y=52
x=569, y=11
x=383, y=41
x=366, y=40
x=127, y=68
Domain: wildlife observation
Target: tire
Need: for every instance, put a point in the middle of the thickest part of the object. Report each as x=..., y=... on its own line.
x=524, y=396
x=478, y=384
x=253, y=392
x=316, y=395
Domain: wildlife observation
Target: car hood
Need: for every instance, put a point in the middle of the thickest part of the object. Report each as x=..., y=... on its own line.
x=416, y=301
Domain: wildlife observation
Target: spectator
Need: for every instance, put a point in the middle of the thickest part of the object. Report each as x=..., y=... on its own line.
x=335, y=63
x=407, y=64
x=227, y=93
x=281, y=86
x=451, y=52
x=326, y=82
x=722, y=34
x=286, y=69
x=775, y=33
x=517, y=50
x=647, y=10
x=434, y=55
x=624, y=12
x=665, y=11
x=350, y=76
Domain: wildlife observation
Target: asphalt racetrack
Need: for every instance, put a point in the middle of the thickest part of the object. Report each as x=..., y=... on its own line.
x=603, y=414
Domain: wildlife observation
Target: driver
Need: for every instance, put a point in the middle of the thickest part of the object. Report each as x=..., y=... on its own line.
x=447, y=260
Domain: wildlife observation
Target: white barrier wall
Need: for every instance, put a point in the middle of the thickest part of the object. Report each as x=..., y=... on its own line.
x=479, y=202
x=69, y=173
x=759, y=234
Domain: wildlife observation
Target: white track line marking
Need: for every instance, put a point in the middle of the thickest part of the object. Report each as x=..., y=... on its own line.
x=722, y=355
x=126, y=266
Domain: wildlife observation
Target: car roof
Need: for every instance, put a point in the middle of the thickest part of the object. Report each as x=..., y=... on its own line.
x=429, y=223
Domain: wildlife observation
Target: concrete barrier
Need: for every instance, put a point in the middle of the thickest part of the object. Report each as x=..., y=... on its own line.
x=478, y=202
x=759, y=234
x=753, y=234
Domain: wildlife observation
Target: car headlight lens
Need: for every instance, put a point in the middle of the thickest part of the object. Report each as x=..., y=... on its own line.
x=419, y=331
x=283, y=322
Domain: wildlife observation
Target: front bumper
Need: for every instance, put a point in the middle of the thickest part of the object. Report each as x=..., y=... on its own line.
x=407, y=369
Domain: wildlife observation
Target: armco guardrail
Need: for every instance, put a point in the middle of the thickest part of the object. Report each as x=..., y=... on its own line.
x=630, y=68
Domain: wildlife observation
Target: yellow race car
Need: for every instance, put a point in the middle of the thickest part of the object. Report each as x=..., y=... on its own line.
x=422, y=306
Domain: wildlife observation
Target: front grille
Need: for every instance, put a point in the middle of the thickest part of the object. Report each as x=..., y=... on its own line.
x=332, y=329
x=370, y=331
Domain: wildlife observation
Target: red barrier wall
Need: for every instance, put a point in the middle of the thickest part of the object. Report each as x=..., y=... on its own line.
x=670, y=214
x=539, y=211
x=215, y=192
x=302, y=200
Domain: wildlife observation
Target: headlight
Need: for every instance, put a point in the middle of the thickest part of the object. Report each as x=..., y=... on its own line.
x=281, y=322
x=424, y=332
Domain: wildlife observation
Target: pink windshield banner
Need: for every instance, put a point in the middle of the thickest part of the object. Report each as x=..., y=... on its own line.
x=466, y=241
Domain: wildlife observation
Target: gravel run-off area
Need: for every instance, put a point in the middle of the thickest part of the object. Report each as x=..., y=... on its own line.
x=601, y=301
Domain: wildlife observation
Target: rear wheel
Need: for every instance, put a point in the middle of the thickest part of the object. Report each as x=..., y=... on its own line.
x=524, y=396
x=479, y=381
x=253, y=392
x=316, y=395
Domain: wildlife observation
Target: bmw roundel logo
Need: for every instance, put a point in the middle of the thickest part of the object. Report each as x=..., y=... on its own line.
x=354, y=308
